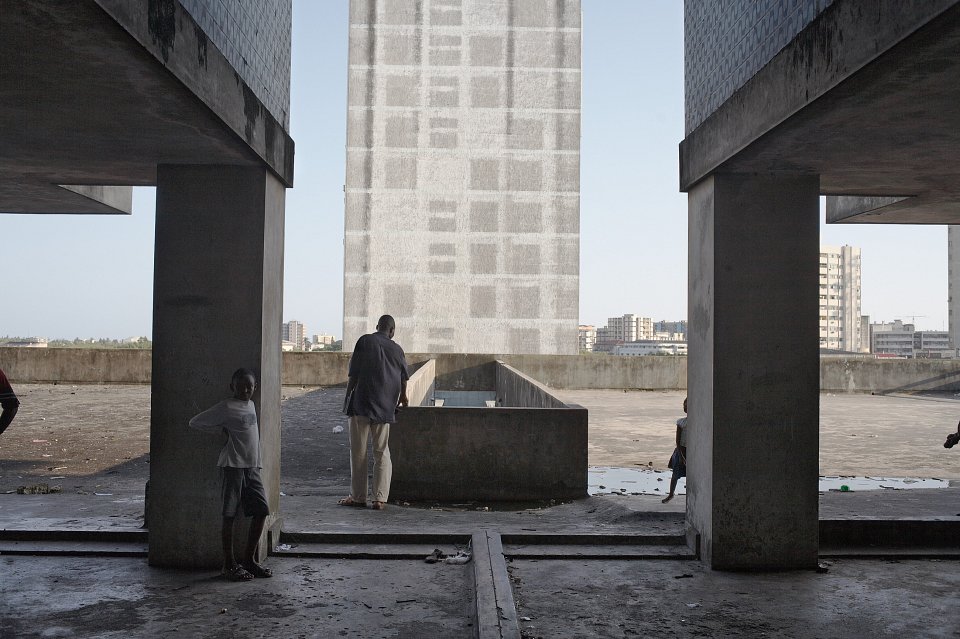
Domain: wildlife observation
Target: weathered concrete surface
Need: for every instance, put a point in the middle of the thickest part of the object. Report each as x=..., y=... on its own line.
x=421, y=384
x=855, y=375
x=531, y=447
x=223, y=279
x=172, y=98
x=753, y=370
x=498, y=454
x=651, y=599
x=835, y=100
x=316, y=369
x=117, y=597
x=76, y=365
x=516, y=390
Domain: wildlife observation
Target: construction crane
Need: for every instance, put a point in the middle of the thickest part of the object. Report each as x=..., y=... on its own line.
x=913, y=318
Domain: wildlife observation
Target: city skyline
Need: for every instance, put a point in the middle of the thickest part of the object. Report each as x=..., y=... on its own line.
x=93, y=276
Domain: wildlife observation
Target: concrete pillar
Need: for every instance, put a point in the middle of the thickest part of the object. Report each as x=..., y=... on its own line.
x=753, y=370
x=218, y=292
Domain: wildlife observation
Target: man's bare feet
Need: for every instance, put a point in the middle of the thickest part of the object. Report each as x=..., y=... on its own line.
x=350, y=501
x=378, y=505
x=667, y=498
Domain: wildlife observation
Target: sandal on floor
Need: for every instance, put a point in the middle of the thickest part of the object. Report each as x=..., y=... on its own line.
x=379, y=505
x=349, y=501
x=237, y=573
x=435, y=556
x=258, y=571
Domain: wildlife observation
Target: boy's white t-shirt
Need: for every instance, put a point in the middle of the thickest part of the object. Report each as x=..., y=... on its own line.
x=682, y=425
x=238, y=418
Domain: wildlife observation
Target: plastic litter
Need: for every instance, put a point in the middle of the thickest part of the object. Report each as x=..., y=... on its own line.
x=462, y=557
x=338, y=428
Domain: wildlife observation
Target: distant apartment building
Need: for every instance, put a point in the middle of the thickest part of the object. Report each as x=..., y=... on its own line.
x=667, y=330
x=295, y=333
x=840, y=322
x=322, y=340
x=587, y=337
x=892, y=339
x=651, y=347
x=623, y=329
x=462, y=195
x=932, y=345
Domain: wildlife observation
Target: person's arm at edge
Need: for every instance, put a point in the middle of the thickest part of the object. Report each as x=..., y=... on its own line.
x=402, y=400
x=210, y=420
x=10, y=409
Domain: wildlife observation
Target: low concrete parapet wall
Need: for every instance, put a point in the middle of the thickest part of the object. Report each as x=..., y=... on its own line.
x=534, y=447
x=315, y=369
x=866, y=375
x=420, y=386
x=473, y=372
x=515, y=389
x=489, y=454
x=77, y=365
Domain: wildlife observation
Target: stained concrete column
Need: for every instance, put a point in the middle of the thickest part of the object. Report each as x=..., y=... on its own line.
x=753, y=370
x=218, y=278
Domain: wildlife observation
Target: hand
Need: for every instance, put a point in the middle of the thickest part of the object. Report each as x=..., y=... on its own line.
x=403, y=401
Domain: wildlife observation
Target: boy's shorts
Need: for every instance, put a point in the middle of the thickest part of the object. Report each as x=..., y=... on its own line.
x=243, y=487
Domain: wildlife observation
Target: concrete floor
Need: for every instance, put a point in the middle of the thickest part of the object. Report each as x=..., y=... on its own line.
x=398, y=595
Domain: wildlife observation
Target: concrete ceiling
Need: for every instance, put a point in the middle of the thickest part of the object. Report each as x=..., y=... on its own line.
x=83, y=103
x=891, y=131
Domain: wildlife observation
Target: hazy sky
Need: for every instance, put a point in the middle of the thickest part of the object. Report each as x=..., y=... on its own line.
x=90, y=276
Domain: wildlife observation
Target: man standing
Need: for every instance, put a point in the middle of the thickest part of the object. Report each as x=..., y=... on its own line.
x=8, y=401
x=377, y=386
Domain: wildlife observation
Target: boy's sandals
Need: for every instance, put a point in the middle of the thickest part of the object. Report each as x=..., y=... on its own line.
x=237, y=573
x=435, y=556
x=349, y=501
x=256, y=570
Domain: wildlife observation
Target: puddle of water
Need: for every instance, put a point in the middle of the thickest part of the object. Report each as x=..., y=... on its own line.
x=879, y=483
x=604, y=480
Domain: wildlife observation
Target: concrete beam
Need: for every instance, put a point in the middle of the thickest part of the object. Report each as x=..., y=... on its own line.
x=171, y=98
x=864, y=97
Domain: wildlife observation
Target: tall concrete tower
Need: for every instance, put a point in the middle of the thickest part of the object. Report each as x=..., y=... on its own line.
x=462, y=193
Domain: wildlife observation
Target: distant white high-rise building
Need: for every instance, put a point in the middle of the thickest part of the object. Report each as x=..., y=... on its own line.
x=623, y=329
x=840, y=325
x=587, y=337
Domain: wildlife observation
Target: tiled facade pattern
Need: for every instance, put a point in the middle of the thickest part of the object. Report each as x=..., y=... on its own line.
x=726, y=42
x=463, y=161
x=255, y=39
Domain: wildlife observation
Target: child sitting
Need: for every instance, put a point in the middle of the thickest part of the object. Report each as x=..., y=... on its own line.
x=239, y=472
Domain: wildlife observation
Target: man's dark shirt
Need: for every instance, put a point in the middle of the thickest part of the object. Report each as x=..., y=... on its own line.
x=379, y=365
x=8, y=399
